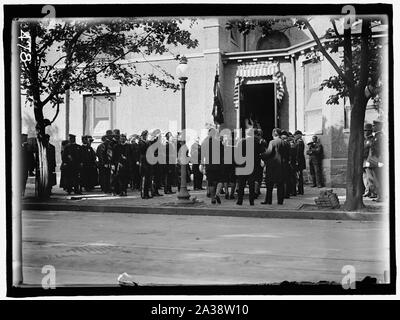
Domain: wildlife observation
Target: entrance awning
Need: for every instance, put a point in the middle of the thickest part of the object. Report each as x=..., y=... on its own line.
x=258, y=70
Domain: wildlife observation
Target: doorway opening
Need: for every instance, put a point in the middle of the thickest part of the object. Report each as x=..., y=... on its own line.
x=258, y=108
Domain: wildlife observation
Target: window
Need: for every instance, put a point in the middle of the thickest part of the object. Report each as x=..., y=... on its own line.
x=98, y=114
x=312, y=97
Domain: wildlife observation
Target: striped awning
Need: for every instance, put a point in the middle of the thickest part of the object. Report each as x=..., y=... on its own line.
x=255, y=70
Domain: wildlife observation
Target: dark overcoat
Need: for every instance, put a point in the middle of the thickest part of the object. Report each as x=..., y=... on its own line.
x=276, y=159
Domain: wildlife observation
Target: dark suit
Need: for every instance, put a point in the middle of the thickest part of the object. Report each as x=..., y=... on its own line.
x=134, y=166
x=145, y=169
x=315, y=152
x=120, y=162
x=89, y=175
x=276, y=158
x=253, y=176
x=28, y=164
x=71, y=158
x=300, y=165
x=51, y=165
x=104, y=166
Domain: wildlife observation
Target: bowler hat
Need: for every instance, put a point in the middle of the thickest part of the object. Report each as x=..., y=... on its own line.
x=368, y=126
x=298, y=132
x=72, y=135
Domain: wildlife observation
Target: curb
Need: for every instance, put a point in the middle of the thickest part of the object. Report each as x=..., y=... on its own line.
x=220, y=212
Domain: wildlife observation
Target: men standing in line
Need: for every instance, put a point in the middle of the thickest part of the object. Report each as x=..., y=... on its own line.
x=101, y=153
x=120, y=166
x=156, y=173
x=315, y=152
x=259, y=168
x=292, y=181
x=71, y=158
x=110, y=158
x=170, y=164
x=275, y=158
x=195, y=155
x=300, y=161
x=255, y=158
x=286, y=164
x=134, y=162
x=89, y=175
x=145, y=168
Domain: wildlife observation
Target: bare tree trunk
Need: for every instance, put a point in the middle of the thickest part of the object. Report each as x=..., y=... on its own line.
x=355, y=185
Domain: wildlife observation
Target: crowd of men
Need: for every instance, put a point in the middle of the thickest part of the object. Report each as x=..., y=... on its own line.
x=279, y=163
x=119, y=164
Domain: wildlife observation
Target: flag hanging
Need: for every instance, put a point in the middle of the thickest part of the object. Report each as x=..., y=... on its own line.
x=218, y=110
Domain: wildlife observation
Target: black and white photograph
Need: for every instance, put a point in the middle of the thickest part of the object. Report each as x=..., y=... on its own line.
x=199, y=149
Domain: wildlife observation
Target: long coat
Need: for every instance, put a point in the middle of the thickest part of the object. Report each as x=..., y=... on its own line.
x=121, y=160
x=276, y=159
x=301, y=160
x=71, y=162
x=89, y=175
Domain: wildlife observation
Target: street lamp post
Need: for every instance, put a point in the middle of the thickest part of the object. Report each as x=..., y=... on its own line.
x=181, y=72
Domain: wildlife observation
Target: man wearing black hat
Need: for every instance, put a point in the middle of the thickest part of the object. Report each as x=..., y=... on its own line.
x=71, y=158
x=145, y=167
x=89, y=175
x=286, y=164
x=275, y=158
x=169, y=167
x=315, y=152
x=134, y=162
x=120, y=166
x=102, y=163
x=110, y=155
x=300, y=161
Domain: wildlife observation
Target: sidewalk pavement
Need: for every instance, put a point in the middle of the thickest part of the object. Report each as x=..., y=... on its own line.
x=298, y=207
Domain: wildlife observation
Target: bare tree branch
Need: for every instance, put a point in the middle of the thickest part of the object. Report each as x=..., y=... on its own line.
x=52, y=67
x=348, y=82
x=335, y=28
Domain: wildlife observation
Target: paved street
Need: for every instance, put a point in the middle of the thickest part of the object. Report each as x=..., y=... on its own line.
x=95, y=247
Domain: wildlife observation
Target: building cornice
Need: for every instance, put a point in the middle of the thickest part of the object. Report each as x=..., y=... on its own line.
x=297, y=49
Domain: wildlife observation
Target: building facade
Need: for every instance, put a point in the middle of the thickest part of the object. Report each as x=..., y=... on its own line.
x=270, y=81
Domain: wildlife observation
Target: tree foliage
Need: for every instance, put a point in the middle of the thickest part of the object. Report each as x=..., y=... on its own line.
x=375, y=58
x=77, y=54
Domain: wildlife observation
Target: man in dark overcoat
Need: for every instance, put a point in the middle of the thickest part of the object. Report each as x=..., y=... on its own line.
x=89, y=175
x=300, y=161
x=71, y=158
x=120, y=166
x=275, y=158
